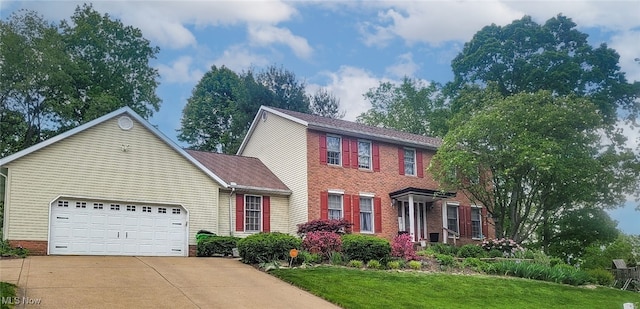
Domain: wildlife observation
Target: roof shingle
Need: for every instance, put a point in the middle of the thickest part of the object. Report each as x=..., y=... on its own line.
x=247, y=172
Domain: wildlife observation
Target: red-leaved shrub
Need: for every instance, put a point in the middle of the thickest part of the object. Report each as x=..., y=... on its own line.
x=339, y=226
x=402, y=247
x=322, y=242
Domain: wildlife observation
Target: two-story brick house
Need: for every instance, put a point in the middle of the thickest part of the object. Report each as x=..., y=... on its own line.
x=374, y=177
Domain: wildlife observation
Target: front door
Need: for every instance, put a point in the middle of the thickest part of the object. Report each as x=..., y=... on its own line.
x=419, y=220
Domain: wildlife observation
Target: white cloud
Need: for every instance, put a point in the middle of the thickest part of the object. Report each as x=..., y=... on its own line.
x=405, y=66
x=180, y=71
x=264, y=35
x=239, y=58
x=627, y=44
x=349, y=84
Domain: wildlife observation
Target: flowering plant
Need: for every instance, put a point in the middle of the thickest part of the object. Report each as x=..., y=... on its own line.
x=507, y=246
x=322, y=242
x=402, y=247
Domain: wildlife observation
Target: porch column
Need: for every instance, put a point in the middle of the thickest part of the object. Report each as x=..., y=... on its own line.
x=412, y=222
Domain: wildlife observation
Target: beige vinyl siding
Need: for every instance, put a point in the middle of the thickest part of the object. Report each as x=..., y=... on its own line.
x=92, y=163
x=281, y=145
x=279, y=214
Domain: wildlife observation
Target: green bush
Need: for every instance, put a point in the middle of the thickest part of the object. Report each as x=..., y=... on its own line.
x=355, y=264
x=444, y=249
x=495, y=253
x=374, y=264
x=415, y=265
x=336, y=258
x=475, y=264
x=393, y=264
x=471, y=251
x=309, y=258
x=600, y=276
x=267, y=247
x=7, y=251
x=445, y=260
x=216, y=245
x=556, y=261
x=561, y=273
x=365, y=247
x=203, y=234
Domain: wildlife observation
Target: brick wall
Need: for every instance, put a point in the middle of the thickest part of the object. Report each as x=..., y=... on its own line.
x=354, y=181
x=35, y=247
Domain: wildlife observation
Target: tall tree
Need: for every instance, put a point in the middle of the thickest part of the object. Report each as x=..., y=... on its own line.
x=528, y=156
x=411, y=106
x=525, y=56
x=325, y=104
x=210, y=120
x=286, y=90
x=110, y=68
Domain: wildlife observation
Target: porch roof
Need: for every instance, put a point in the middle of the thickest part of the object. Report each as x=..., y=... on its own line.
x=434, y=194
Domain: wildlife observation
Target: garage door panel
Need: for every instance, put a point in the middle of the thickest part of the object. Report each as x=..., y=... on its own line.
x=99, y=228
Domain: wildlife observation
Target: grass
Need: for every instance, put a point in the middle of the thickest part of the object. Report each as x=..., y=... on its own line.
x=353, y=288
x=7, y=291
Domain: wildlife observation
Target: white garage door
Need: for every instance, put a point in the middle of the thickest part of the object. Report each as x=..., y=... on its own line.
x=86, y=227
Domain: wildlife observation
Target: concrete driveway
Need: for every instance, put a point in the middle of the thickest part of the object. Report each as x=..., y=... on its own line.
x=148, y=282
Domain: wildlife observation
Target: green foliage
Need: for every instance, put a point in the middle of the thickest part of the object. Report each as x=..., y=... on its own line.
x=355, y=264
x=560, y=273
x=216, y=245
x=374, y=264
x=495, y=253
x=7, y=251
x=446, y=260
x=475, y=264
x=598, y=257
x=323, y=103
x=309, y=258
x=412, y=106
x=336, y=258
x=393, y=265
x=266, y=247
x=365, y=247
x=601, y=276
x=415, y=265
x=7, y=291
x=471, y=251
x=443, y=249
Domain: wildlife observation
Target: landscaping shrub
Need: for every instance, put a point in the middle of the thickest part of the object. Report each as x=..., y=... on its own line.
x=216, y=245
x=471, y=251
x=444, y=249
x=355, y=264
x=309, y=258
x=402, y=247
x=7, y=251
x=475, y=264
x=393, y=264
x=555, y=261
x=445, y=260
x=374, y=264
x=336, y=258
x=495, y=253
x=365, y=247
x=505, y=245
x=415, y=265
x=560, y=274
x=267, y=247
x=600, y=276
x=339, y=226
x=322, y=242
x=203, y=234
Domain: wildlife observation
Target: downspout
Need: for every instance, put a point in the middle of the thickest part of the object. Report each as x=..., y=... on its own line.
x=233, y=190
x=3, y=199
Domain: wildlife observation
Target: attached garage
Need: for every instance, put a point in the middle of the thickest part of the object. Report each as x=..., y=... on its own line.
x=84, y=226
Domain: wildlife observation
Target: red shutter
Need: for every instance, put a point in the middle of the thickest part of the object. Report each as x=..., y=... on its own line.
x=266, y=214
x=485, y=223
x=324, y=205
x=323, y=149
x=376, y=157
x=377, y=214
x=356, y=213
x=467, y=222
x=346, y=204
x=401, y=160
x=420, y=166
x=345, y=152
x=461, y=225
x=354, y=153
x=239, y=212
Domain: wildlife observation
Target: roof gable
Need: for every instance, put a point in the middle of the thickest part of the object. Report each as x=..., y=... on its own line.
x=122, y=111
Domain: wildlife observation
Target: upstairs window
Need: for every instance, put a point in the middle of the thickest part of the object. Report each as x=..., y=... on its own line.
x=364, y=154
x=409, y=162
x=333, y=150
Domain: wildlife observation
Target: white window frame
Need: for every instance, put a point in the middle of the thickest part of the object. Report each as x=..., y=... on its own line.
x=479, y=209
x=340, y=196
x=414, y=172
x=370, y=155
x=370, y=198
x=260, y=212
x=339, y=150
x=445, y=218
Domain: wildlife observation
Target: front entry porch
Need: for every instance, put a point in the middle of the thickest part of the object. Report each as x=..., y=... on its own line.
x=414, y=206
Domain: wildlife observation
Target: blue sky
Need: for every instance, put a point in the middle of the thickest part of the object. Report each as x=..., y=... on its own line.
x=347, y=47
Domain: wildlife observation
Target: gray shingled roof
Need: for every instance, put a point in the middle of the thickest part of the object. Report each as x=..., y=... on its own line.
x=246, y=172
x=349, y=127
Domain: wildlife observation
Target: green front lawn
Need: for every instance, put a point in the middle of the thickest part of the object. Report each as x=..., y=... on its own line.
x=354, y=288
x=7, y=292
